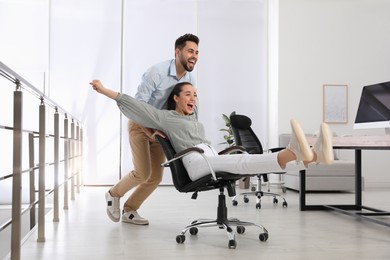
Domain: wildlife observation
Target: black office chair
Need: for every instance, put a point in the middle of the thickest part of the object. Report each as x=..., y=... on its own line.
x=245, y=136
x=214, y=180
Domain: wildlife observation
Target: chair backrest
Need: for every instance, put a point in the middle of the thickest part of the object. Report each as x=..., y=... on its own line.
x=180, y=176
x=244, y=135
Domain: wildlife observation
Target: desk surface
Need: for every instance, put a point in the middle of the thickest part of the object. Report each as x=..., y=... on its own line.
x=358, y=142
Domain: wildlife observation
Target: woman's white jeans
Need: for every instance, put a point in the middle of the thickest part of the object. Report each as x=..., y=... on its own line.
x=234, y=163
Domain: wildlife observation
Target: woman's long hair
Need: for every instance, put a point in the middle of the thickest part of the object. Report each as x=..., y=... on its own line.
x=171, y=104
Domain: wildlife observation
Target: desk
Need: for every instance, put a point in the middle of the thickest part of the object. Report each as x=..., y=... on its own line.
x=357, y=143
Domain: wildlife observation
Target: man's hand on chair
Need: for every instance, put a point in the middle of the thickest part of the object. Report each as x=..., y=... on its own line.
x=159, y=133
x=151, y=133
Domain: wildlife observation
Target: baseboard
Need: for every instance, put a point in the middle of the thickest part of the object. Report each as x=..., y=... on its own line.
x=385, y=184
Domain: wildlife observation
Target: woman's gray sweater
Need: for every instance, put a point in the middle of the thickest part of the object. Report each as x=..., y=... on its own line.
x=183, y=131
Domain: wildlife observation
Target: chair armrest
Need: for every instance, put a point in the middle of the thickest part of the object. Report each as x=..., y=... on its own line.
x=183, y=153
x=232, y=149
x=187, y=151
x=276, y=149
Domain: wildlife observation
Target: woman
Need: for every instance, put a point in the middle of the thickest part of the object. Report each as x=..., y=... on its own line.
x=181, y=126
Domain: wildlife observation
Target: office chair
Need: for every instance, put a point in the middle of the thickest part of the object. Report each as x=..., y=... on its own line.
x=244, y=136
x=214, y=180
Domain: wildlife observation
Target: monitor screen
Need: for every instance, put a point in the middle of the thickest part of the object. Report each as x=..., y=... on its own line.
x=374, y=107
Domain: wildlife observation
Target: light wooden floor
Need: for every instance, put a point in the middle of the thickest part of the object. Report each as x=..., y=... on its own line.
x=85, y=232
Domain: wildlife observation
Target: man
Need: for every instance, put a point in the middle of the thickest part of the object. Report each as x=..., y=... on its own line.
x=156, y=85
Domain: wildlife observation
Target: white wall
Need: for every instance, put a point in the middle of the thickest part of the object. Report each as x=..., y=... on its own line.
x=23, y=47
x=116, y=41
x=25, y=39
x=149, y=36
x=231, y=74
x=333, y=42
x=85, y=43
x=232, y=64
x=320, y=42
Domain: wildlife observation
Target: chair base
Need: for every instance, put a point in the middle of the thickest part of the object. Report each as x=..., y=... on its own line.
x=259, y=194
x=222, y=222
x=280, y=184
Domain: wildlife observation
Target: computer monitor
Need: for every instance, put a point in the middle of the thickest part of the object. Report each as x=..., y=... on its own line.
x=374, y=107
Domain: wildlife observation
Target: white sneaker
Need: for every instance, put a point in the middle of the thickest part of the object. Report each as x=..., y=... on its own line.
x=113, y=210
x=134, y=218
x=324, y=145
x=298, y=143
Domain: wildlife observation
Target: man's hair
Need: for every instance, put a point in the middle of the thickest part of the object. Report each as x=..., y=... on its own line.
x=171, y=104
x=181, y=41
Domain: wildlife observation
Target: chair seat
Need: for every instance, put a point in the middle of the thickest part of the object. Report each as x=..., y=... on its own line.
x=204, y=183
x=224, y=179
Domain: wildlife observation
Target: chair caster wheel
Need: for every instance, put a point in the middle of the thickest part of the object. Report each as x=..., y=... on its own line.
x=234, y=202
x=232, y=244
x=276, y=201
x=263, y=237
x=180, y=239
x=240, y=229
x=258, y=206
x=193, y=231
x=246, y=200
x=284, y=204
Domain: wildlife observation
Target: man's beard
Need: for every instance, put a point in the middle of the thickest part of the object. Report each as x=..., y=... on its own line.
x=184, y=63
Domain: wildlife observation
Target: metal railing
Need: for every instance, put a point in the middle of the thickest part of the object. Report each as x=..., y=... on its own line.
x=72, y=159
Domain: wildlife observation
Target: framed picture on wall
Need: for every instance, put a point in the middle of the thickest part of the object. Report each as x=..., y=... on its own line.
x=335, y=103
